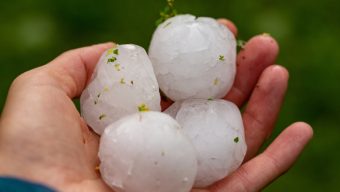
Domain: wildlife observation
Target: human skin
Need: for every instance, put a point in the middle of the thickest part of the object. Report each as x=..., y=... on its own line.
x=44, y=139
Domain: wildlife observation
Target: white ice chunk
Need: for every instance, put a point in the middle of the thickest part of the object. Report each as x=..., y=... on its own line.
x=147, y=152
x=216, y=130
x=193, y=57
x=122, y=82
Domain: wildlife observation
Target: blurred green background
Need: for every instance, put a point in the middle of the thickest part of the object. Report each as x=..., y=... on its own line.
x=33, y=32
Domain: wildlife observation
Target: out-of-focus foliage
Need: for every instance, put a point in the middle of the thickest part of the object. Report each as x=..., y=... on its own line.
x=33, y=32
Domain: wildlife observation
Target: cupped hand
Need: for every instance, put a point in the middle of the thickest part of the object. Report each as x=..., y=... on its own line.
x=44, y=139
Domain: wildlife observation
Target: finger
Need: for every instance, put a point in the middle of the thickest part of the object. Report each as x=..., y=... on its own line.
x=258, y=53
x=263, y=107
x=274, y=161
x=73, y=69
x=231, y=26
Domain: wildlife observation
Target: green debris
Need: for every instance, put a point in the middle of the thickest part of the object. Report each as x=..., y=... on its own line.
x=111, y=60
x=116, y=51
x=106, y=89
x=236, y=139
x=102, y=116
x=109, y=52
x=241, y=44
x=210, y=99
x=216, y=81
x=117, y=67
x=168, y=12
x=143, y=108
x=122, y=81
x=221, y=58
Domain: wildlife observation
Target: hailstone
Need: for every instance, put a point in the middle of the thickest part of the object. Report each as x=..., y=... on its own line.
x=193, y=57
x=123, y=83
x=216, y=129
x=147, y=152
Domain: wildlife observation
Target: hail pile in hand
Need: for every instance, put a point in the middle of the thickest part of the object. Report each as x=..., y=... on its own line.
x=198, y=140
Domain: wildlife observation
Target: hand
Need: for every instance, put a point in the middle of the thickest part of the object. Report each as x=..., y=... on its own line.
x=42, y=136
x=44, y=139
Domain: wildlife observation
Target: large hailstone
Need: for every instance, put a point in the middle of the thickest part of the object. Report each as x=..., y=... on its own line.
x=147, y=152
x=193, y=57
x=123, y=83
x=216, y=130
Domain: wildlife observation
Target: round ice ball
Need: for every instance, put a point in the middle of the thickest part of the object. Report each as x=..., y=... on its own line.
x=216, y=129
x=123, y=83
x=193, y=57
x=147, y=152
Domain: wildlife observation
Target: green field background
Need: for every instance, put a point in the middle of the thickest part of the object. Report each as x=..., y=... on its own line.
x=33, y=32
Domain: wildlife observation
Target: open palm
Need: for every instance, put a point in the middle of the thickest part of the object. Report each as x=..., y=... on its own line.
x=44, y=139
